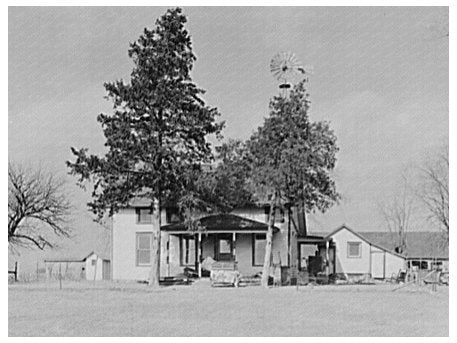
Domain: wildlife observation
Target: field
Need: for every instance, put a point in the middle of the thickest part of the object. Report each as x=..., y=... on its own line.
x=128, y=309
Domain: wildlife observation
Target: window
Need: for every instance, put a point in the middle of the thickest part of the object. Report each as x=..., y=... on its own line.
x=143, y=248
x=224, y=247
x=143, y=216
x=94, y=262
x=355, y=249
x=420, y=264
x=173, y=215
x=259, y=241
x=187, y=245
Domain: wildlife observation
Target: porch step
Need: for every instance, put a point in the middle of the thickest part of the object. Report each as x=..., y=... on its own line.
x=250, y=281
x=172, y=281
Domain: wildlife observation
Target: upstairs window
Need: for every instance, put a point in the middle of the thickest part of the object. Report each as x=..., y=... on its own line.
x=143, y=216
x=354, y=249
x=173, y=215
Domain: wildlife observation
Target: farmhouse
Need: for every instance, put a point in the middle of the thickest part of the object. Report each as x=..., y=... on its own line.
x=239, y=236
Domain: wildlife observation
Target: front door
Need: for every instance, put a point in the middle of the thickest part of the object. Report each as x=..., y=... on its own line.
x=224, y=247
x=106, y=270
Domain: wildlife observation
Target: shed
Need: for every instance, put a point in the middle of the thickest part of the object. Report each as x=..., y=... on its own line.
x=92, y=266
x=424, y=249
x=97, y=266
x=68, y=267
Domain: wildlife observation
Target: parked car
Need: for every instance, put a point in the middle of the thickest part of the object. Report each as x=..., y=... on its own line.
x=444, y=278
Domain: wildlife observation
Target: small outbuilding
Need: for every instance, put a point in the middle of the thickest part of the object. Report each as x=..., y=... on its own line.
x=355, y=256
x=97, y=267
x=425, y=250
x=92, y=266
x=66, y=267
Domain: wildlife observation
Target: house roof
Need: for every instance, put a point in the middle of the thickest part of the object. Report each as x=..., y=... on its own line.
x=418, y=244
x=140, y=202
x=222, y=223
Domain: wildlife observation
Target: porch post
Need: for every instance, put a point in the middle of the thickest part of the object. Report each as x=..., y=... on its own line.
x=199, y=255
x=168, y=254
x=234, y=244
x=326, y=258
x=369, y=264
x=298, y=256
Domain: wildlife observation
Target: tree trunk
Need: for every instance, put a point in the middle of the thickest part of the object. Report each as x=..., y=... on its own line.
x=155, y=247
x=269, y=243
x=301, y=215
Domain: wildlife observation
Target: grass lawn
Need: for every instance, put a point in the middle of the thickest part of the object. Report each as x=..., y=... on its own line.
x=127, y=309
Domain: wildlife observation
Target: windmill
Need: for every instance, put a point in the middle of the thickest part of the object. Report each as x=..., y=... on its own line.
x=286, y=68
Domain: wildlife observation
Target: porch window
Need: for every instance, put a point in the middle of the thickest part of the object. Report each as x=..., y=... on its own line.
x=187, y=254
x=224, y=247
x=143, y=248
x=143, y=216
x=259, y=241
x=354, y=249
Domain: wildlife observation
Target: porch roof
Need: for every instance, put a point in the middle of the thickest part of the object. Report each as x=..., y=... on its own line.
x=311, y=239
x=222, y=223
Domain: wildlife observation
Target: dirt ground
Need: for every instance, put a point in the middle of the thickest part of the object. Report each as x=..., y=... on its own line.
x=129, y=309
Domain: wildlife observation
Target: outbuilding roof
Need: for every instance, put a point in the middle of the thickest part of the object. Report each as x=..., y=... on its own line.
x=77, y=258
x=418, y=244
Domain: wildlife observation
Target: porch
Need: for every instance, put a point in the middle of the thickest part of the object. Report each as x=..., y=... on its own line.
x=222, y=238
x=316, y=256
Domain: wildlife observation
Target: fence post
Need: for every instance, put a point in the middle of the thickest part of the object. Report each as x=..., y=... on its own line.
x=15, y=271
x=60, y=275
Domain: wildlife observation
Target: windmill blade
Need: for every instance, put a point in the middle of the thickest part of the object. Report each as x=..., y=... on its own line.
x=308, y=69
x=285, y=66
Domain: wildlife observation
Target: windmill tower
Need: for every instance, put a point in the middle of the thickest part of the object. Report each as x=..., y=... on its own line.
x=287, y=69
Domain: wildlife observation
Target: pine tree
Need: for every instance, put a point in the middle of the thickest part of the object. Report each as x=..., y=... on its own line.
x=156, y=132
x=292, y=159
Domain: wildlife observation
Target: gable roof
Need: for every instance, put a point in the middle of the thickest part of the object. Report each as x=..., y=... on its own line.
x=223, y=222
x=418, y=244
x=99, y=254
x=345, y=227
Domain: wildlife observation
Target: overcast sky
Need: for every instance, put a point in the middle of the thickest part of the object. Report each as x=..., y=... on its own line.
x=380, y=77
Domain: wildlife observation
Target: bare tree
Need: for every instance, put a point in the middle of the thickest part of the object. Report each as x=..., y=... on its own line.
x=398, y=214
x=434, y=191
x=37, y=207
